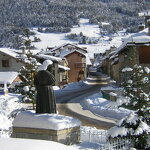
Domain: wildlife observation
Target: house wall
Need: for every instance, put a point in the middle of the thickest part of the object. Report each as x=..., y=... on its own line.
x=14, y=65
x=128, y=58
x=76, y=63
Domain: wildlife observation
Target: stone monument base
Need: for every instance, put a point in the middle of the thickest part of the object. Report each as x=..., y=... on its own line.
x=55, y=130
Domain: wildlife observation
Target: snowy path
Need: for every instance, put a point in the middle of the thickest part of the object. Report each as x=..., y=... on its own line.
x=69, y=104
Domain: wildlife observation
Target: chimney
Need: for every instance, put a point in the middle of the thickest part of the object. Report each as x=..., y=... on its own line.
x=141, y=27
x=148, y=25
x=147, y=17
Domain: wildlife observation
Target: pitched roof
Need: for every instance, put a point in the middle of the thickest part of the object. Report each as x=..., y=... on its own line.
x=64, y=45
x=52, y=58
x=9, y=52
x=7, y=77
x=141, y=37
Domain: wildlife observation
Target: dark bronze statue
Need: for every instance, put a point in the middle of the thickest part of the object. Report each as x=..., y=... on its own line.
x=45, y=98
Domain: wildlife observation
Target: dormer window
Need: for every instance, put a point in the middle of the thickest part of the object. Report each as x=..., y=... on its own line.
x=5, y=63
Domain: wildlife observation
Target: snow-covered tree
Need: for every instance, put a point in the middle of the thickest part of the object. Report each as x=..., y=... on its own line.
x=136, y=95
x=27, y=72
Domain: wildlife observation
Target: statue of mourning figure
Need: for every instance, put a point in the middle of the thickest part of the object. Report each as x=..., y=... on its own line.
x=44, y=80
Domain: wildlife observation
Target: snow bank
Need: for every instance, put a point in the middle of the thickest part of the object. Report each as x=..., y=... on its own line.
x=45, y=121
x=26, y=144
x=115, y=131
x=103, y=107
x=7, y=105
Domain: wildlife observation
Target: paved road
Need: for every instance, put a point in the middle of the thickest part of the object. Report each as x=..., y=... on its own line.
x=69, y=104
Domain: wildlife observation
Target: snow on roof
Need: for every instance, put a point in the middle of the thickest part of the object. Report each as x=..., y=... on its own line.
x=63, y=67
x=7, y=77
x=141, y=37
x=88, y=61
x=9, y=52
x=144, y=14
x=66, y=44
x=45, y=121
x=105, y=23
x=53, y=58
x=31, y=144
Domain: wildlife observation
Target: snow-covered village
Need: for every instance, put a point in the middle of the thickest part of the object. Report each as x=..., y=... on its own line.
x=73, y=79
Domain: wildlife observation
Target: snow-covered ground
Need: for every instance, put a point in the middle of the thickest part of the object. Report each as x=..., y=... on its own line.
x=8, y=104
x=102, y=107
x=94, y=103
x=89, y=30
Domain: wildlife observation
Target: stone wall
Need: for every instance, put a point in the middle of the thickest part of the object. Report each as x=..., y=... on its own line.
x=66, y=136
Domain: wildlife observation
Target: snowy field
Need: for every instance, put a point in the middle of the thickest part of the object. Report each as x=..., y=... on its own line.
x=89, y=30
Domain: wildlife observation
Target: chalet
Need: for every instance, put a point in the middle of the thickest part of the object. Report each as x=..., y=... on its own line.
x=60, y=68
x=77, y=58
x=9, y=60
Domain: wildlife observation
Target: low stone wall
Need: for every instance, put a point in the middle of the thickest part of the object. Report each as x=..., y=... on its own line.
x=108, y=94
x=66, y=136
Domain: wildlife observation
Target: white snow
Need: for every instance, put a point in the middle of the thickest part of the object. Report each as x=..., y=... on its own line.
x=132, y=118
x=7, y=77
x=48, y=57
x=45, y=121
x=9, y=52
x=63, y=67
x=8, y=104
x=30, y=144
x=127, y=69
x=147, y=70
x=90, y=30
x=115, y=131
x=26, y=88
x=143, y=127
x=103, y=107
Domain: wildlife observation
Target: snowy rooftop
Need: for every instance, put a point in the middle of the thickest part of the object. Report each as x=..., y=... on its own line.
x=7, y=77
x=141, y=37
x=46, y=121
x=53, y=58
x=9, y=52
x=63, y=67
x=68, y=44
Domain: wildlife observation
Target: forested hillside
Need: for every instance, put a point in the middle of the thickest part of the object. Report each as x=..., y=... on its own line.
x=60, y=16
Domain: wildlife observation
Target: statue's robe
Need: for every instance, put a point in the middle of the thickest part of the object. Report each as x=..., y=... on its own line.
x=45, y=98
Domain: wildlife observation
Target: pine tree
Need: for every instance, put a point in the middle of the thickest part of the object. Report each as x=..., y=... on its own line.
x=136, y=124
x=27, y=72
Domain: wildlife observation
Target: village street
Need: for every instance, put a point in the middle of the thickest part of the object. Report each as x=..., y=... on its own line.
x=68, y=103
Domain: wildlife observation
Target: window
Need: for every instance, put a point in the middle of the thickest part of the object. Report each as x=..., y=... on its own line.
x=80, y=65
x=144, y=55
x=5, y=63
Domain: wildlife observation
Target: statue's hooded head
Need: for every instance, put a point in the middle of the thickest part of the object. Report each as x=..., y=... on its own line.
x=45, y=64
x=50, y=68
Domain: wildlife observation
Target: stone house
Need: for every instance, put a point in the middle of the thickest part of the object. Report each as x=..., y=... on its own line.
x=134, y=50
x=77, y=59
